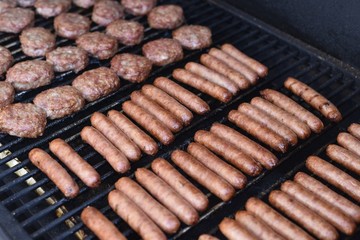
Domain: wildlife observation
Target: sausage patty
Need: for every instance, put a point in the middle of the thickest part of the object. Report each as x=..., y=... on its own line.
x=68, y=58
x=71, y=25
x=131, y=67
x=14, y=20
x=6, y=59
x=126, y=32
x=193, y=36
x=98, y=44
x=30, y=74
x=37, y=41
x=138, y=7
x=25, y=3
x=84, y=3
x=6, y=4
x=7, y=94
x=166, y=17
x=23, y=120
x=163, y=51
x=52, y=8
x=107, y=11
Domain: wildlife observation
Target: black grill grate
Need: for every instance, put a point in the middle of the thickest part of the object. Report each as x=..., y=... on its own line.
x=38, y=218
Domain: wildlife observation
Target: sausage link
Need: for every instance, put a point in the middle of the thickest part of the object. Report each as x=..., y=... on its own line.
x=103, y=228
x=149, y=122
x=354, y=129
x=344, y=157
x=75, y=162
x=328, y=195
x=184, y=96
x=207, y=178
x=349, y=142
x=334, y=176
x=105, y=126
x=207, y=237
x=54, y=171
x=201, y=84
x=259, y=131
x=314, y=99
x=275, y=220
x=302, y=215
x=165, y=219
x=294, y=108
x=138, y=136
x=134, y=216
x=233, y=231
x=229, y=152
x=180, y=184
x=167, y=196
x=211, y=161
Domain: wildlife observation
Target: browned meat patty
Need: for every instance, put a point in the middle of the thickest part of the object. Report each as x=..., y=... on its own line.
x=7, y=93
x=96, y=83
x=71, y=25
x=60, y=101
x=126, y=32
x=30, y=74
x=68, y=58
x=166, y=17
x=5, y=4
x=163, y=51
x=52, y=8
x=98, y=44
x=138, y=7
x=25, y=3
x=6, y=59
x=131, y=67
x=14, y=20
x=107, y=11
x=193, y=36
x=37, y=41
x=22, y=120
x=84, y=3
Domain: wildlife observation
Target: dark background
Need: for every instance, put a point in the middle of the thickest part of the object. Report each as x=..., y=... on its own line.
x=332, y=26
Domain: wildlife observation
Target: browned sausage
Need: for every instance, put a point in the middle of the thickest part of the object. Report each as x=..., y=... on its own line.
x=115, y=136
x=334, y=176
x=169, y=103
x=141, y=139
x=75, y=163
x=270, y=122
x=55, y=172
x=294, y=108
x=212, y=76
x=201, y=84
x=301, y=129
x=180, y=184
x=259, y=131
x=233, y=231
x=275, y=220
x=165, y=219
x=349, y=142
x=248, y=146
x=157, y=111
x=149, y=122
x=259, y=68
x=134, y=216
x=328, y=195
x=324, y=209
x=232, y=62
x=344, y=157
x=222, y=68
x=229, y=152
x=106, y=149
x=184, y=96
x=103, y=228
x=207, y=237
x=354, y=129
x=207, y=178
x=167, y=196
x=256, y=226
x=302, y=215
x=211, y=161
x=314, y=99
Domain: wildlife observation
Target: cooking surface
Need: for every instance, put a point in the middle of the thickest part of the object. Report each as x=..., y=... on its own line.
x=284, y=59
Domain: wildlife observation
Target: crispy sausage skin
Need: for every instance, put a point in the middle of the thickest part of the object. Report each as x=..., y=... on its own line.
x=139, y=137
x=180, y=184
x=114, y=156
x=354, y=129
x=103, y=228
x=349, y=142
x=134, y=216
x=314, y=99
x=184, y=96
x=344, y=157
x=334, y=176
x=303, y=215
x=104, y=125
x=75, y=162
x=233, y=231
x=55, y=172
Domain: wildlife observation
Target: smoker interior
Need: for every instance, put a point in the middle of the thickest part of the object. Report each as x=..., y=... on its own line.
x=28, y=215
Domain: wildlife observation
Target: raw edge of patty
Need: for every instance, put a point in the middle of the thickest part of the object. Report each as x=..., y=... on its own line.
x=7, y=94
x=6, y=59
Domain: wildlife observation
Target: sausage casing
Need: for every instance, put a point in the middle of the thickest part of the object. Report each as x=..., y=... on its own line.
x=344, y=157
x=349, y=142
x=354, y=129
x=233, y=231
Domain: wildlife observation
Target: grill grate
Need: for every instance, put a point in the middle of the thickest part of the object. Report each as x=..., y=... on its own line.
x=38, y=218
